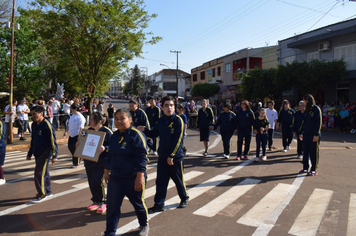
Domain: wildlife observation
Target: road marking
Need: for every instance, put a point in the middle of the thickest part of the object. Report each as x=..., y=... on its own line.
x=225, y=199
x=27, y=166
x=215, y=143
x=351, y=224
x=258, y=213
x=193, y=193
x=309, y=219
x=69, y=179
x=271, y=220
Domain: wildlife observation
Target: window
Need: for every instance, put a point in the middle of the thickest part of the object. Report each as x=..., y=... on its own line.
x=312, y=56
x=348, y=53
x=202, y=75
x=219, y=71
x=256, y=64
x=228, y=67
x=213, y=72
x=195, y=77
x=288, y=60
x=169, y=86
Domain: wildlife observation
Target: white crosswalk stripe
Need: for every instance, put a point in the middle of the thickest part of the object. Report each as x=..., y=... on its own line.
x=351, y=224
x=308, y=221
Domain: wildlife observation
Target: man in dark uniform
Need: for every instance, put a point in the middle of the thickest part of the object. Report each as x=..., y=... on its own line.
x=170, y=129
x=153, y=113
x=139, y=117
x=43, y=147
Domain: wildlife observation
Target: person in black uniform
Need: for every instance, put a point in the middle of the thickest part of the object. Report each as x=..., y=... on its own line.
x=298, y=119
x=43, y=147
x=244, y=121
x=95, y=170
x=3, y=136
x=227, y=123
x=261, y=128
x=205, y=119
x=138, y=115
x=153, y=112
x=285, y=120
x=310, y=133
x=170, y=129
x=125, y=172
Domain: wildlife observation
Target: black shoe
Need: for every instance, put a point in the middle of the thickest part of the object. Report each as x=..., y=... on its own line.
x=183, y=204
x=155, y=209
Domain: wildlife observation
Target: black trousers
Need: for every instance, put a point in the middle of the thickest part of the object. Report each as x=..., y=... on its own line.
x=226, y=138
x=270, y=137
x=71, y=146
x=299, y=145
x=42, y=178
x=311, y=150
x=287, y=135
x=164, y=173
x=95, y=173
x=242, y=134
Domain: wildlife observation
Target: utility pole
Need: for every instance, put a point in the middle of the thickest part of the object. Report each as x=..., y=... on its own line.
x=12, y=70
x=176, y=70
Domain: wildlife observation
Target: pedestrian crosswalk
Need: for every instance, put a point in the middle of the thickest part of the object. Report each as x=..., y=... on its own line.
x=262, y=216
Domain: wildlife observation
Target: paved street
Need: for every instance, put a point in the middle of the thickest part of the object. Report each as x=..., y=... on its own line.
x=227, y=197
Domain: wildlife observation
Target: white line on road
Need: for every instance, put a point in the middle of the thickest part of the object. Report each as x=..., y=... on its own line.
x=225, y=199
x=309, y=219
x=351, y=224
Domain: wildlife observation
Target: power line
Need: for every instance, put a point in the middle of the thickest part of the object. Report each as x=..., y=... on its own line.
x=323, y=16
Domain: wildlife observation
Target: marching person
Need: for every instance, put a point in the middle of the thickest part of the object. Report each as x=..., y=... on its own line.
x=272, y=116
x=170, y=129
x=75, y=125
x=95, y=170
x=139, y=116
x=43, y=147
x=227, y=123
x=125, y=172
x=3, y=134
x=180, y=111
x=285, y=119
x=298, y=120
x=153, y=113
x=205, y=119
x=244, y=121
x=261, y=130
x=310, y=135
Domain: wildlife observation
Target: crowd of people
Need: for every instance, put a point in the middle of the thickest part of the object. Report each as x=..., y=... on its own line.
x=124, y=153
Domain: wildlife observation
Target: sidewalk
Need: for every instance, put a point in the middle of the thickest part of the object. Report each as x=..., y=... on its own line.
x=21, y=144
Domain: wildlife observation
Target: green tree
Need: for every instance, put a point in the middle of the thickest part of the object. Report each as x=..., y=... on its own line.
x=99, y=37
x=206, y=90
x=29, y=79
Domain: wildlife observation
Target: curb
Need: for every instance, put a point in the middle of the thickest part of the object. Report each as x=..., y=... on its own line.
x=22, y=146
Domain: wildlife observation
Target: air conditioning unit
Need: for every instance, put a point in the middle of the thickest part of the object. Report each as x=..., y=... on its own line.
x=324, y=46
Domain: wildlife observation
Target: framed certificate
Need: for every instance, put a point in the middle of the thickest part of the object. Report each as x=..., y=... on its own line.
x=88, y=143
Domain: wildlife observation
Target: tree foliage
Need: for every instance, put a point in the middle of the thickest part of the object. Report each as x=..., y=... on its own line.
x=5, y=11
x=307, y=77
x=206, y=90
x=99, y=37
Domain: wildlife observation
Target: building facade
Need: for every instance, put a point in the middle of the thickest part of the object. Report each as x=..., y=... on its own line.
x=336, y=41
x=115, y=88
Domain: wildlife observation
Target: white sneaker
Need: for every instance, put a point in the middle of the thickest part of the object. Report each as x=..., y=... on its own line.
x=2, y=181
x=288, y=147
x=285, y=150
x=38, y=199
x=226, y=156
x=155, y=153
x=264, y=158
x=300, y=157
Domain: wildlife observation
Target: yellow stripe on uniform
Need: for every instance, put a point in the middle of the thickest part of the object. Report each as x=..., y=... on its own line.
x=142, y=138
x=42, y=178
x=317, y=153
x=102, y=189
x=149, y=127
x=181, y=170
x=212, y=114
x=143, y=199
x=108, y=129
x=321, y=120
x=1, y=127
x=52, y=139
x=180, y=136
x=159, y=112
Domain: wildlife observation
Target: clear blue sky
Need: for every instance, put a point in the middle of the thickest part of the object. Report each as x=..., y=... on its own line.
x=206, y=29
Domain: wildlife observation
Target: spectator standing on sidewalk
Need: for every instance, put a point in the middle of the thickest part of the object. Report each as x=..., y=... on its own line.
x=344, y=118
x=56, y=106
x=310, y=134
x=43, y=147
x=10, y=111
x=49, y=110
x=111, y=112
x=353, y=118
x=272, y=116
x=285, y=119
x=23, y=110
x=75, y=125
x=244, y=121
x=298, y=120
x=66, y=112
x=3, y=132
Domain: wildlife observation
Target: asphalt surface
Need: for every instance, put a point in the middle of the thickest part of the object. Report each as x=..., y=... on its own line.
x=227, y=197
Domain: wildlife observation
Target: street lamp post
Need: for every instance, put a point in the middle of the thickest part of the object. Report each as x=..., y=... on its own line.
x=176, y=70
x=12, y=69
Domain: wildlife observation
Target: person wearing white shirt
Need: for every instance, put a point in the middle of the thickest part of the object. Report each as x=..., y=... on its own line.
x=55, y=108
x=75, y=125
x=23, y=110
x=272, y=116
x=9, y=111
x=66, y=111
